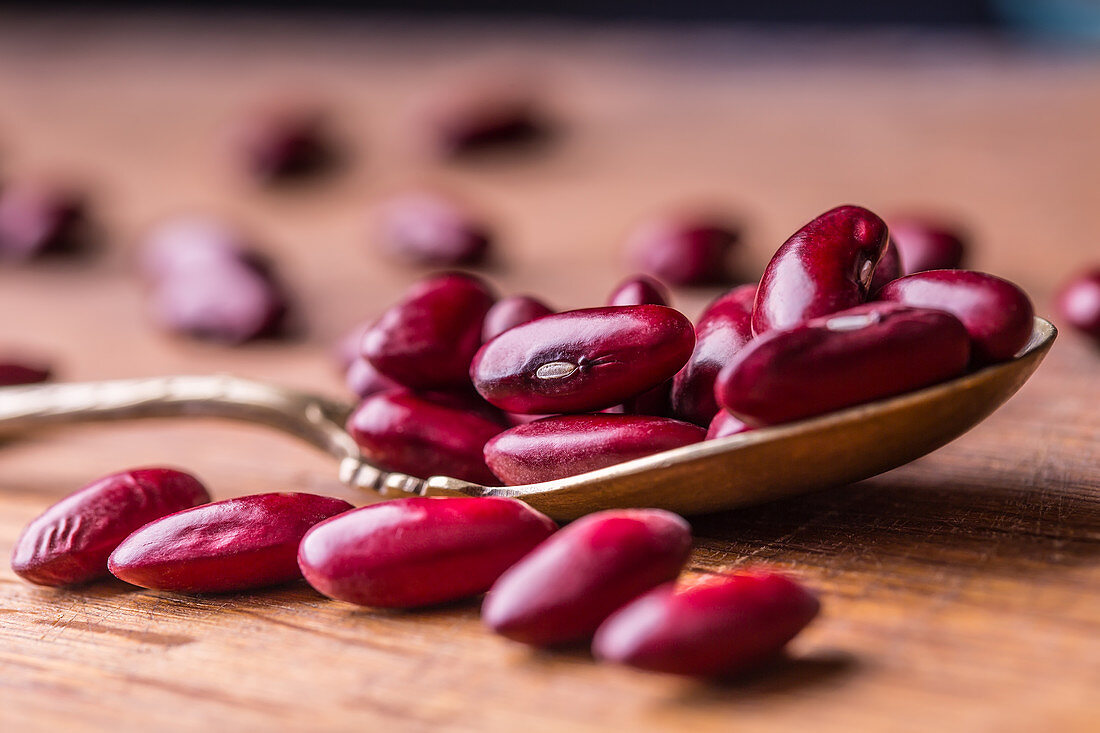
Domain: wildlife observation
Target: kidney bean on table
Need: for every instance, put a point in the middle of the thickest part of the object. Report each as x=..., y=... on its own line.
x=567, y=445
x=475, y=116
x=683, y=249
x=39, y=217
x=231, y=545
x=429, y=228
x=510, y=312
x=415, y=552
x=639, y=290
x=70, y=542
x=20, y=372
x=282, y=142
x=564, y=589
x=824, y=267
x=849, y=357
x=1079, y=303
x=582, y=360
x=997, y=314
x=925, y=244
x=428, y=339
x=724, y=425
x=716, y=625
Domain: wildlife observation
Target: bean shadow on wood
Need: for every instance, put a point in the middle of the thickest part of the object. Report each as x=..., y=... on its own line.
x=786, y=675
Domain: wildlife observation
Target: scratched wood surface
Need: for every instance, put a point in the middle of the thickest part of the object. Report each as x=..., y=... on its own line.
x=960, y=592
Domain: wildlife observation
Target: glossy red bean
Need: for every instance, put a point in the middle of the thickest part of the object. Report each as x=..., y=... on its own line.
x=846, y=358
x=400, y=431
x=510, y=312
x=567, y=445
x=582, y=360
x=639, y=290
x=37, y=218
x=656, y=401
x=888, y=269
x=723, y=330
x=826, y=266
x=715, y=625
x=924, y=244
x=997, y=314
x=283, y=142
x=232, y=545
x=683, y=250
x=724, y=424
x=71, y=541
x=567, y=586
x=1079, y=303
x=364, y=380
x=428, y=339
x=17, y=372
x=415, y=552
x=428, y=228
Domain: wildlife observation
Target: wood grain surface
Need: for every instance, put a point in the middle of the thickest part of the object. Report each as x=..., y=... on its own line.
x=960, y=592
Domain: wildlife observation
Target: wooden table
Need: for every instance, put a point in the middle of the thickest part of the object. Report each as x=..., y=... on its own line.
x=960, y=592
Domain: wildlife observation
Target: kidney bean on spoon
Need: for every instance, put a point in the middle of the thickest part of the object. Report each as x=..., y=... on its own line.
x=924, y=244
x=71, y=541
x=16, y=372
x=639, y=290
x=567, y=445
x=723, y=329
x=853, y=356
x=888, y=268
x=1079, y=303
x=415, y=552
x=724, y=424
x=429, y=228
x=656, y=401
x=413, y=434
x=232, y=545
x=428, y=339
x=564, y=589
x=582, y=360
x=37, y=218
x=826, y=266
x=510, y=312
x=683, y=250
x=715, y=625
x=364, y=380
x=997, y=314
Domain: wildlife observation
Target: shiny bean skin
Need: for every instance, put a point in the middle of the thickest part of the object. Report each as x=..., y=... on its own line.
x=414, y=552
x=1079, y=303
x=997, y=314
x=510, y=312
x=228, y=546
x=567, y=586
x=567, y=445
x=71, y=541
x=582, y=360
x=888, y=269
x=17, y=372
x=724, y=424
x=428, y=339
x=924, y=244
x=826, y=266
x=711, y=626
x=639, y=290
x=683, y=250
x=429, y=228
x=846, y=358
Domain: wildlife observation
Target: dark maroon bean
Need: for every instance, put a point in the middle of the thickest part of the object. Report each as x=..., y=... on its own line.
x=927, y=245
x=510, y=312
x=724, y=424
x=684, y=250
x=428, y=228
x=826, y=266
x=723, y=330
x=656, y=401
x=428, y=339
x=419, y=551
x=846, y=358
x=232, y=545
x=997, y=314
x=37, y=218
x=567, y=445
x=567, y=586
x=280, y=143
x=717, y=625
x=888, y=269
x=14, y=372
x=582, y=360
x=364, y=380
x=71, y=541
x=640, y=290
x=472, y=118
x=1079, y=303
x=400, y=431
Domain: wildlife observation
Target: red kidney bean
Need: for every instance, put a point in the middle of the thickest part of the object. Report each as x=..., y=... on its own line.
x=415, y=552
x=280, y=143
x=567, y=445
x=428, y=339
x=71, y=541
x=888, y=268
x=723, y=329
x=364, y=380
x=567, y=586
x=718, y=625
x=639, y=290
x=37, y=218
x=846, y=358
x=510, y=312
x=582, y=360
x=1079, y=303
x=232, y=545
x=347, y=349
x=471, y=118
x=13, y=372
x=724, y=424
x=428, y=228
x=684, y=250
x=996, y=313
x=927, y=245
x=400, y=431
x=656, y=401
x=826, y=266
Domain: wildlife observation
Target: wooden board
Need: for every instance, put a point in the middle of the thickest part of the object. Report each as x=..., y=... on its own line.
x=960, y=592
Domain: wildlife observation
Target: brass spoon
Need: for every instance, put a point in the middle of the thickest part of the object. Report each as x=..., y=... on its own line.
x=768, y=463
